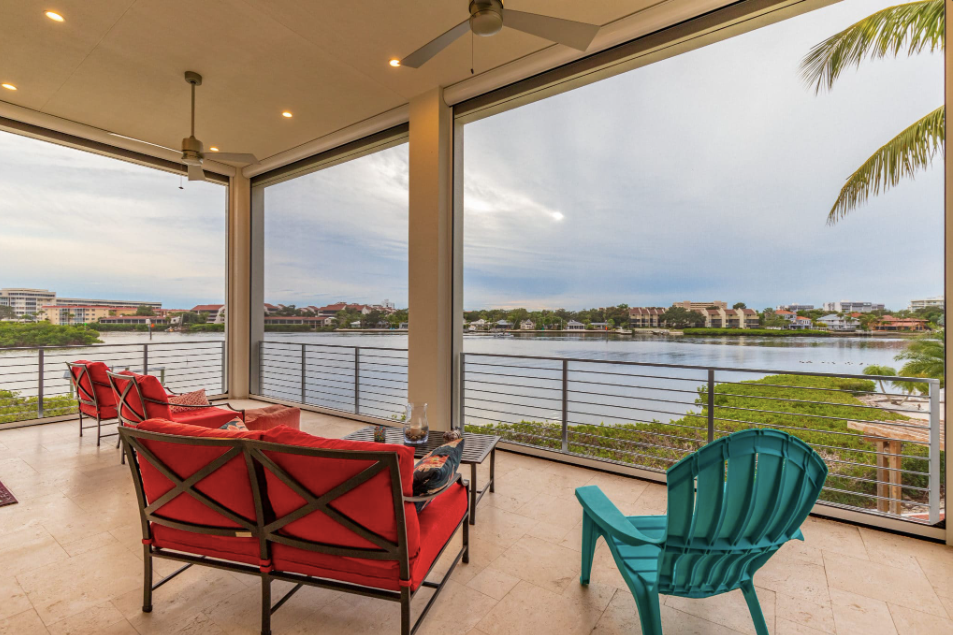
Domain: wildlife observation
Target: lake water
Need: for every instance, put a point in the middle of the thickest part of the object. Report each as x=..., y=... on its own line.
x=329, y=370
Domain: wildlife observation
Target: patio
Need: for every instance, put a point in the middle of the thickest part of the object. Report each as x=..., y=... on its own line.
x=70, y=562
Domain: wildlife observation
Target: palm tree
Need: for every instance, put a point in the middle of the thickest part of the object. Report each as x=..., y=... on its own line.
x=912, y=27
x=925, y=357
x=884, y=371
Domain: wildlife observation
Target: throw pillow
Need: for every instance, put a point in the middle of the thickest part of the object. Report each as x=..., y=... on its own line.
x=436, y=469
x=235, y=424
x=194, y=398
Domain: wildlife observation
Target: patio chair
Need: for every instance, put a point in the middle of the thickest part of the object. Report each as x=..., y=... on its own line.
x=731, y=505
x=141, y=397
x=94, y=396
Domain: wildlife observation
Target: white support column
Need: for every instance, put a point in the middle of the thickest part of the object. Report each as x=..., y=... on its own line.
x=237, y=292
x=434, y=322
x=948, y=270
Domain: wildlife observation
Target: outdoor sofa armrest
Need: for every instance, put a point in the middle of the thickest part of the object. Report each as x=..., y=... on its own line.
x=240, y=411
x=429, y=497
x=604, y=513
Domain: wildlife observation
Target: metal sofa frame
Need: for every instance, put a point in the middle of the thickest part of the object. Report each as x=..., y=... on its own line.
x=266, y=527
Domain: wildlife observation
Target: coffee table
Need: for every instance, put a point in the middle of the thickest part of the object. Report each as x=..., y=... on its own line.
x=476, y=448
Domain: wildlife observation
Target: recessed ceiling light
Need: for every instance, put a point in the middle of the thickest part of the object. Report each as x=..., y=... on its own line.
x=9, y=86
x=53, y=15
x=395, y=63
x=287, y=114
x=213, y=149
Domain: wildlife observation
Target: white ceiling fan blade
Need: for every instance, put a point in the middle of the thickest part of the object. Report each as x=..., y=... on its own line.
x=577, y=35
x=234, y=157
x=420, y=57
x=196, y=173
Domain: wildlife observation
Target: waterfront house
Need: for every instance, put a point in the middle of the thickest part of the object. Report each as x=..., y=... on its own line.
x=799, y=322
x=891, y=323
x=836, y=322
x=599, y=326
x=502, y=325
x=645, y=317
x=527, y=325
x=573, y=325
x=478, y=325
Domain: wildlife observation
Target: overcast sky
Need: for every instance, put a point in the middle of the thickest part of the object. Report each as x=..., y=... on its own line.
x=704, y=177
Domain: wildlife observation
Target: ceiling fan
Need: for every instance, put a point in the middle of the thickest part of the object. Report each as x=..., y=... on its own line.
x=193, y=152
x=488, y=17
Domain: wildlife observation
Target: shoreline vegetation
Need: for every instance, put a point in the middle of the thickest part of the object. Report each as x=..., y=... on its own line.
x=657, y=445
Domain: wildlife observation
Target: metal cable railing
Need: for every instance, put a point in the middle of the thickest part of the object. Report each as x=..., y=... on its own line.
x=353, y=379
x=883, y=449
x=34, y=381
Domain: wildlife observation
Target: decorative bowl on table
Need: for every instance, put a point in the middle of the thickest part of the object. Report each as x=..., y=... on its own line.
x=416, y=428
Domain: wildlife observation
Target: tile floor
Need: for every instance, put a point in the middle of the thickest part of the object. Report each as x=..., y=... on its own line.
x=70, y=563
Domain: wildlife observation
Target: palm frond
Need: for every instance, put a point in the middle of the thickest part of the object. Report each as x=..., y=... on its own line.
x=911, y=150
x=914, y=26
x=926, y=357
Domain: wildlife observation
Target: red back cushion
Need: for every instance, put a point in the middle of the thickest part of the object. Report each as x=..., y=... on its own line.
x=369, y=504
x=228, y=485
x=151, y=389
x=99, y=386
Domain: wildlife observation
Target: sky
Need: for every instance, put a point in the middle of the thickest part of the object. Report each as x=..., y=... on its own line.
x=704, y=177
x=87, y=226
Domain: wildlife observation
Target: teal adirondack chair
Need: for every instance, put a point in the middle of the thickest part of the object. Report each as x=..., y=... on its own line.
x=731, y=505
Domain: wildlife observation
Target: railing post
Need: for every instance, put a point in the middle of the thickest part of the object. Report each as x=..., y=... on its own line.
x=145, y=359
x=934, y=494
x=303, y=383
x=357, y=380
x=39, y=384
x=565, y=386
x=711, y=405
x=463, y=391
x=224, y=366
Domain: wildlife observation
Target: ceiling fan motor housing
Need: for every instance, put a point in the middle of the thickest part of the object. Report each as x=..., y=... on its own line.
x=192, y=151
x=486, y=17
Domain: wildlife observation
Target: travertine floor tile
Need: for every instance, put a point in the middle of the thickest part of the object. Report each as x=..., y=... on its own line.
x=100, y=619
x=861, y=615
x=493, y=583
x=24, y=623
x=911, y=622
x=880, y=582
x=727, y=609
x=12, y=598
x=544, y=564
x=531, y=610
x=814, y=615
x=621, y=617
x=830, y=535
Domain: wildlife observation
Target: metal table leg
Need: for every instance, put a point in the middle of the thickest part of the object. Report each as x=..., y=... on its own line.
x=473, y=493
x=492, y=470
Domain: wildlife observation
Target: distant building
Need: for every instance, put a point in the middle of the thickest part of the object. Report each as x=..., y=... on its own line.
x=573, y=325
x=601, y=326
x=848, y=306
x=478, y=325
x=699, y=306
x=645, y=317
x=215, y=313
x=800, y=323
x=137, y=320
x=129, y=304
x=502, y=325
x=26, y=301
x=64, y=314
x=891, y=323
x=795, y=307
x=725, y=318
x=837, y=323
x=938, y=301
x=527, y=325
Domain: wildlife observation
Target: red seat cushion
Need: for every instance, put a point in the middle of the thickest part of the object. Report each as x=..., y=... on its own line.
x=105, y=396
x=370, y=504
x=437, y=524
x=228, y=486
x=210, y=417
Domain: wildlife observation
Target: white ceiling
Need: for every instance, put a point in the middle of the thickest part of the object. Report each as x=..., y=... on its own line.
x=118, y=64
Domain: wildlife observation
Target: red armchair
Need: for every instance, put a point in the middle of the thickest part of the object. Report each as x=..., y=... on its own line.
x=141, y=397
x=285, y=505
x=94, y=396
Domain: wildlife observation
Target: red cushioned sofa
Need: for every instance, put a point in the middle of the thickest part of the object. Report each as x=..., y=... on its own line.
x=94, y=396
x=282, y=504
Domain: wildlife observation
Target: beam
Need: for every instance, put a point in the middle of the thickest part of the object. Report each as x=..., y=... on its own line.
x=434, y=325
x=948, y=265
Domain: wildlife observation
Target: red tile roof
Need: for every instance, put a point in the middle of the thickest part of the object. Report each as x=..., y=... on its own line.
x=207, y=307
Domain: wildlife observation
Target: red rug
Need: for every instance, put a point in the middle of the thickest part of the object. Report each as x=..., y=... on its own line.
x=6, y=498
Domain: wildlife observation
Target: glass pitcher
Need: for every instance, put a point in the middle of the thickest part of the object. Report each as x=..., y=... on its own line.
x=416, y=428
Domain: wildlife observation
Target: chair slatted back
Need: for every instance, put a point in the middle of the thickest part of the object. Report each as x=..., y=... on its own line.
x=82, y=383
x=138, y=397
x=732, y=504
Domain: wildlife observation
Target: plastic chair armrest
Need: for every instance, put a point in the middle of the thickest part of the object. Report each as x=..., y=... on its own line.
x=605, y=514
